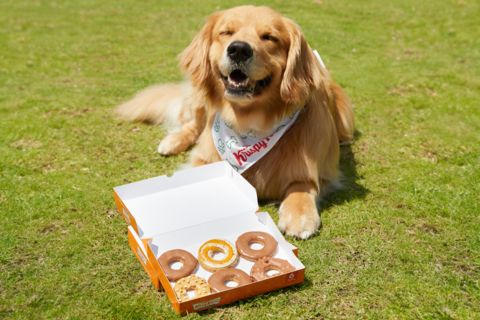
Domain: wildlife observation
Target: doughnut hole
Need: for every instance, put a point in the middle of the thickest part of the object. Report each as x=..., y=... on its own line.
x=231, y=282
x=176, y=264
x=272, y=271
x=218, y=254
x=190, y=293
x=256, y=245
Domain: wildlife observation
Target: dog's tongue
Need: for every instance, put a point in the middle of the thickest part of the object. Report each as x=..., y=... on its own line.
x=238, y=76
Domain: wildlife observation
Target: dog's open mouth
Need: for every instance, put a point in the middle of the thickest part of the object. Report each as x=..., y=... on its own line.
x=238, y=84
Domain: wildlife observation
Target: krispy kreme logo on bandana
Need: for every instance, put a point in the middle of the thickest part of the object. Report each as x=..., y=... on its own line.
x=242, y=150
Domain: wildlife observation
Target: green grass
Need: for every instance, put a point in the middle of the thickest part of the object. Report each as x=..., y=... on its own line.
x=401, y=242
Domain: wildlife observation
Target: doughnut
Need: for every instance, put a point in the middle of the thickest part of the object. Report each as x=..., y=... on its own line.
x=269, y=245
x=198, y=284
x=218, y=279
x=260, y=268
x=205, y=254
x=185, y=257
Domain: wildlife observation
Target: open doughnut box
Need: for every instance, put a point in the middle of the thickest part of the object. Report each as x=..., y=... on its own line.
x=188, y=209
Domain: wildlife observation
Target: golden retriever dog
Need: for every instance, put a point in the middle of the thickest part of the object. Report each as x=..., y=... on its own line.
x=254, y=67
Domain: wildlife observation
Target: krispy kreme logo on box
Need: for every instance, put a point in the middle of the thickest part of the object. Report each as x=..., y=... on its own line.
x=206, y=304
x=291, y=277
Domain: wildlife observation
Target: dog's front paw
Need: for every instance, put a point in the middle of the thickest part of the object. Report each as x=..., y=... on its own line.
x=173, y=144
x=298, y=217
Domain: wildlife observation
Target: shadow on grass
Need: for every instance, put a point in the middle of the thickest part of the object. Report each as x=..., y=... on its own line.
x=259, y=300
x=352, y=190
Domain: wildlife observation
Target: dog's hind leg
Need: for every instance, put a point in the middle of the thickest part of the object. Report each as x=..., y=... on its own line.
x=179, y=107
x=157, y=104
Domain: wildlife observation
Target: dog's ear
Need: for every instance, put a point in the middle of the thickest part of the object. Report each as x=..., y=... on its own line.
x=194, y=60
x=303, y=72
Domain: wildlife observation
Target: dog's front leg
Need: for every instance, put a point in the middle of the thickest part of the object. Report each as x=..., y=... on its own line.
x=298, y=211
x=188, y=135
x=180, y=141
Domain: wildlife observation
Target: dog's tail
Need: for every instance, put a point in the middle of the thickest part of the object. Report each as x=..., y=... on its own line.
x=344, y=120
x=157, y=104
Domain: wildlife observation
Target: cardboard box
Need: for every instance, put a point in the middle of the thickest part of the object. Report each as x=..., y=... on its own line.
x=139, y=249
x=188, y=209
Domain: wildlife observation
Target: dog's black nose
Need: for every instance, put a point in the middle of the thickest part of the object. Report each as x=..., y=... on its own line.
x=239, y=51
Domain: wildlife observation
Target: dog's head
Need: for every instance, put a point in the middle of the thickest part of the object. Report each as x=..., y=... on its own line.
x=252, y=56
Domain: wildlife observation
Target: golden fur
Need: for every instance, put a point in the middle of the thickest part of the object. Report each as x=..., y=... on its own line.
x=304, y=162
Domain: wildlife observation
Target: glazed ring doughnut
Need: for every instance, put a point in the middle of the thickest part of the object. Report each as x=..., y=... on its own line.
x=198, y=284
x=269, y=245
x=185, y=257
x=205, y=254
x=260, y=268
x=218, y=279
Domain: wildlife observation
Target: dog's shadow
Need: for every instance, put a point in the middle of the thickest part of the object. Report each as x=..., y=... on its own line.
x=350, y=188
x=259, y=301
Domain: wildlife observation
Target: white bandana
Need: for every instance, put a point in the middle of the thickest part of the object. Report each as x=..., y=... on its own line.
x=242, y=150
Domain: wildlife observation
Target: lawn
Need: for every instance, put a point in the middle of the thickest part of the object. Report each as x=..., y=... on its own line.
x=401, y=241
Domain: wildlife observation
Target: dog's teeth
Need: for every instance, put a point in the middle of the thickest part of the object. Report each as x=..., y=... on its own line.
x=238, y=84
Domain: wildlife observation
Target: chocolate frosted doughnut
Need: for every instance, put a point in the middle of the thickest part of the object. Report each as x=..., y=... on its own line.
x=218, y=279
x=260, y=268
x=185, y=257
x=269, y=245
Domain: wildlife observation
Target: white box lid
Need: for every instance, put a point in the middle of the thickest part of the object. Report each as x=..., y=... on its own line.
x=190, y=197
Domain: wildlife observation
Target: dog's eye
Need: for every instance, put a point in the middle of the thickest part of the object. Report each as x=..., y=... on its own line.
x=226, y=33
x=268, y=37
